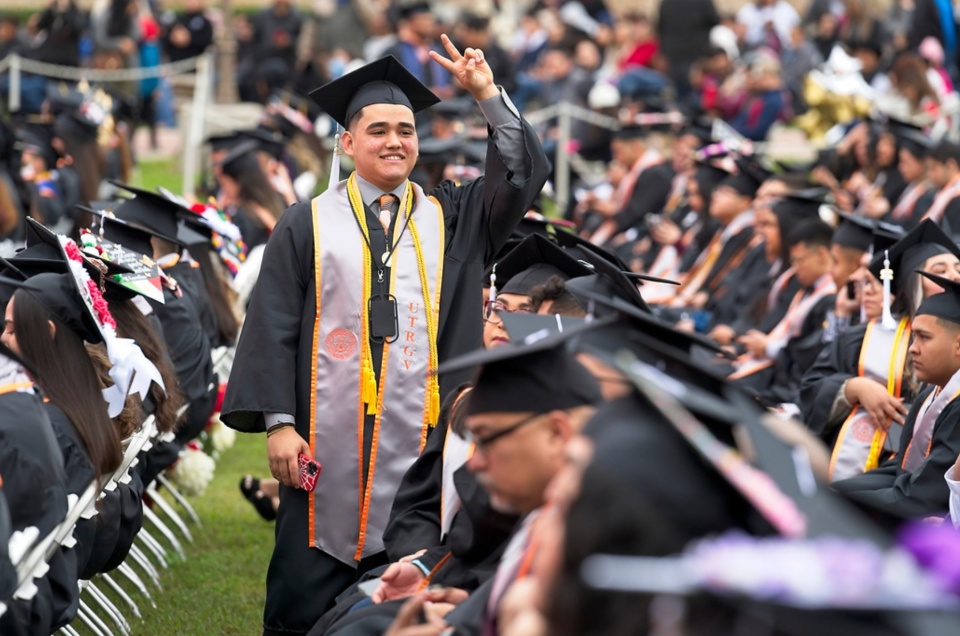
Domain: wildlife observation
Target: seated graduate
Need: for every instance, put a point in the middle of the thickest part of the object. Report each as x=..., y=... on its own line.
x=761, y=303
x=731, y=208
x=848, y=397
x=187, y=342
x=526, y=402
x=35, y=488
x=911, y=483
x=137, y=320
x=775, y=361
x=120, y=511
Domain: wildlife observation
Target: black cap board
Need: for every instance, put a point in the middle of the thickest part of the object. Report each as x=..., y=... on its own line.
x=152, y=211
x=384, y=81
x=856, y=232
x=60, y=295
x=910, y=252
x=945, y=305
x=533, y=262
x=537, y=377
x=225, y=141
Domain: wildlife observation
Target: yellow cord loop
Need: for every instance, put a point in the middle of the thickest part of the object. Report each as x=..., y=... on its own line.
x=369, y=393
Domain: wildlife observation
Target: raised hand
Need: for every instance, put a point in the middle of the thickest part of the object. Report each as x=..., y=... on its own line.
x=470, y=69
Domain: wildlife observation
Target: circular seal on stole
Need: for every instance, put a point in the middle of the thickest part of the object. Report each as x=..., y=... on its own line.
x=341, y=344
x=863, y=431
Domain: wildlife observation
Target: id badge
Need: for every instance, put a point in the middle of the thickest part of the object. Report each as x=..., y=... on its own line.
x=382, y=310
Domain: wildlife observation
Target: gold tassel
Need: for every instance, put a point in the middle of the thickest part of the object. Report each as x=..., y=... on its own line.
x=369, y=387
x=434, y=402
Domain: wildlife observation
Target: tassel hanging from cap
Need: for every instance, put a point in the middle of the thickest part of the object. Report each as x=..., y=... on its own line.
x=886, y=275
x=335, y=162
x=493, y=283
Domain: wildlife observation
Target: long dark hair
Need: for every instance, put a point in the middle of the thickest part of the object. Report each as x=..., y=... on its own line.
x=254, y=185
x=218, y=290
x=131, y=323
x=68, y=378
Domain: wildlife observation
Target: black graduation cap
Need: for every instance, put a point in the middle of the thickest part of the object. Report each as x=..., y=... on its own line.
x=536, y=375
x=268, y=141
x=384, y=81
x=412, y=8
x=857, y=231
x=604, y=282
x=533, y=262
x=884, y=239
x=239, y=158
x=43, y=253
x=708, y=176
x=909, y=253
x=945, y=305
x=583, y=249
x=119, y=231
x=631, y=131
x=911, y=138
x=38, y=139
x=154, y=212
x=60, y=295
x=747, y=181
x=223, y=142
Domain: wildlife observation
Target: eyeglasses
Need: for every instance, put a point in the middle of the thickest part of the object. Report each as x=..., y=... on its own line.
x=492, y=308
x=483, y=443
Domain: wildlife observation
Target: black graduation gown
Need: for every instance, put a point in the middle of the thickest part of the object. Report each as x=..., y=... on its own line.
x=8, y=573
x=189, y=350
x=742, y=288
x=35, y=487
x=272, y=372
x=951, y=219
x=924, y=492
x=837, y=363
x=649, y=196
x=781, y=382
x=190, y=278
x=119, y=519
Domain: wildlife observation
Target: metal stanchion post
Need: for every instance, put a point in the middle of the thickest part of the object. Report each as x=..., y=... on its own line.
x=562, y=168
x=14, y=83
x=191, y=145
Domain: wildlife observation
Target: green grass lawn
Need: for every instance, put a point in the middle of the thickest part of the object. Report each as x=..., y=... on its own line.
x=219, y=589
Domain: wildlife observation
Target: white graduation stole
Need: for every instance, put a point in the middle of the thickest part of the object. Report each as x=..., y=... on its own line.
x=860, y=442
x=347, y=520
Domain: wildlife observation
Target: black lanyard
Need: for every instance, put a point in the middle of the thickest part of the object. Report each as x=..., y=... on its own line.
x=382, y=308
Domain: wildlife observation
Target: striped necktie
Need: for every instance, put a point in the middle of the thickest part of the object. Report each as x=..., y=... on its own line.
x=386, y=203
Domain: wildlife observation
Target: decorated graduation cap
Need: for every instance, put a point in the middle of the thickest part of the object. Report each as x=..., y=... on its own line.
x=384, y=81
x=537, y=374
x=910, y=252
x=118, y=243
x=533, y=262
x=945, y=305
x=77, y=301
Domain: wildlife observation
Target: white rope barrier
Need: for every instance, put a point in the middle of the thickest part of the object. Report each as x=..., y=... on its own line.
x=77, y=73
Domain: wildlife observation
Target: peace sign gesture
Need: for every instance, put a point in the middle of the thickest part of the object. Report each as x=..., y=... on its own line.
x=471, y=70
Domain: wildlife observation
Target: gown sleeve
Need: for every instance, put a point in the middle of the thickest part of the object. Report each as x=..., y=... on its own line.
x=263, y=376
x=820, y=385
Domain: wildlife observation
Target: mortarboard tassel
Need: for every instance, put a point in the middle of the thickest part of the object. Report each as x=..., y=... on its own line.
x=886, y=275
x=493, y=284
x=335, y=162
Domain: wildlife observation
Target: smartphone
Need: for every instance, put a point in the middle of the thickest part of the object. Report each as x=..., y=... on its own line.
x=369, y=586
x=309, y=472
x=851, y=290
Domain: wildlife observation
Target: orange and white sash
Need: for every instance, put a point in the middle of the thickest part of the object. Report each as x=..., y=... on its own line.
x=908, y=201
x=349, y=508
x=788, y=327
x=861, y=443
